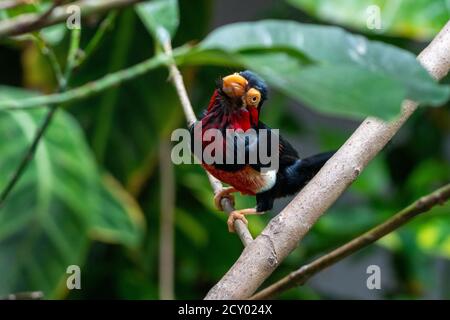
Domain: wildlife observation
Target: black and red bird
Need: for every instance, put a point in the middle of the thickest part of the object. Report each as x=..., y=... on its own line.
x=236, y=104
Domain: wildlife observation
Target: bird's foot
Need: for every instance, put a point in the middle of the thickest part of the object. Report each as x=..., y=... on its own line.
x=224, y=193
x=240, y=214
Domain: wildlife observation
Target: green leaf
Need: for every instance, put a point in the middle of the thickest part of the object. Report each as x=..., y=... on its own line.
x=418, y=19
x=54, y=34
x=325, y=87
x=319, y=62
x=119, y=218
x=193, y=230
x=160, y=17
x=46, y=221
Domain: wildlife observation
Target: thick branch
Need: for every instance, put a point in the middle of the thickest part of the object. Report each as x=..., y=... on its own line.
x=177, y=79
x=31, y=22
x=283, y=233
x=300, y=276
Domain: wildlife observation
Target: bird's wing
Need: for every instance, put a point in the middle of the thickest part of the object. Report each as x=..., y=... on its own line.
x=285, y=152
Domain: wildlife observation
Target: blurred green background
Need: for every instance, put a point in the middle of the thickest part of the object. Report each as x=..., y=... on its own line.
x=93, y=194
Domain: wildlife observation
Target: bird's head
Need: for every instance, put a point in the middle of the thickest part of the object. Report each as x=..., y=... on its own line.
x=243, y=90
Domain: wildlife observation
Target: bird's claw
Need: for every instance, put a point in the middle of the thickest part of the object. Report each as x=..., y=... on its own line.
x=240, y=214
x=223, y=194
x=232, y=217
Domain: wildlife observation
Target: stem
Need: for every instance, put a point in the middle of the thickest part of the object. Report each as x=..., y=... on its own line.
x=166, y=242
x=50, y=54
x=72, y=55
x=88, y=89
x=97, y=38
x=107, y=105
x=177, y=80
x=30, y=22
x=300, y=276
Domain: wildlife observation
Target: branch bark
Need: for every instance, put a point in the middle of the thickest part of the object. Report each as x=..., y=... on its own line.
x=177, y=80
x=300, y=276
x=33, y=21
x=283, y=233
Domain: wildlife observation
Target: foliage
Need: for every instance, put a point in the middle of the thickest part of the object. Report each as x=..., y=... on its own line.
x=419, y=19
x=326, y=54
x=44, y=225
x=91, y=194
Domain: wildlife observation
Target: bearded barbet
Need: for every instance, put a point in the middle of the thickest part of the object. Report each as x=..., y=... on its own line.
x=236, y=104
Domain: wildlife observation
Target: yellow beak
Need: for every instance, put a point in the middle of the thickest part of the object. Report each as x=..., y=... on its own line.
x=234, y=85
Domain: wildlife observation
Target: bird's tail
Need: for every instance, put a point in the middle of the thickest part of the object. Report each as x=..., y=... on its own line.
x=303, y=170
x=314, y=163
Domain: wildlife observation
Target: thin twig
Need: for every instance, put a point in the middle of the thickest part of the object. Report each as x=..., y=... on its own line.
x=175, y=75
x=88, y=89
x=28, y=156
x=28, y=22
x=51, y=57
x=166, y=233
x=105, y=25
x=303, y=274
x=178, y=82
x=71, y=56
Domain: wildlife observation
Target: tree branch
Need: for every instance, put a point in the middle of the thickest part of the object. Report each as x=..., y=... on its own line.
x=39, y=21
x=103, y=28
x=177, y=79
x=9, y=4
x=31, y=22
x=283, y=233
x=300, y=276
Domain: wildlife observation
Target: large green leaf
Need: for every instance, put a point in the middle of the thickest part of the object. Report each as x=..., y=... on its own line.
x=325, y=88
x=418, y=19
x=324, y=66
x=160, y=17
x=128, y=120
x=119, y=218
x=59, y=201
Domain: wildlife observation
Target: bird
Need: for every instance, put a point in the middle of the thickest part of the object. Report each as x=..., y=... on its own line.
x=236, y=104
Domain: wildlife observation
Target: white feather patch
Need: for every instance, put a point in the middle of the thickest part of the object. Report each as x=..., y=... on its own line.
x=270, y=177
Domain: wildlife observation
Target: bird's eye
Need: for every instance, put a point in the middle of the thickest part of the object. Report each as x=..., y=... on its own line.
x=253, y=97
